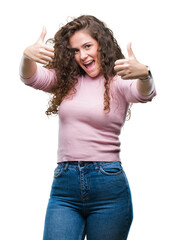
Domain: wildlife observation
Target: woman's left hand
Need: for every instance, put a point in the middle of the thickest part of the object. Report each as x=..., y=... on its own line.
x=130, y=68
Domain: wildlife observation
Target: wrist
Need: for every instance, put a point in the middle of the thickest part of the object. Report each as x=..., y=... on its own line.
x=147, y=76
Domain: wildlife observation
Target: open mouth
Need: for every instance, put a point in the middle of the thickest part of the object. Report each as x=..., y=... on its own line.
x=89, y=64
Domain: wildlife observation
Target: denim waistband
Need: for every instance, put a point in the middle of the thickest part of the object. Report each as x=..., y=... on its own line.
x=79, y=164
x=82, y=163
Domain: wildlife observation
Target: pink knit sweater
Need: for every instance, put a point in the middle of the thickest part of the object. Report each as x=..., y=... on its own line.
x=86, y=131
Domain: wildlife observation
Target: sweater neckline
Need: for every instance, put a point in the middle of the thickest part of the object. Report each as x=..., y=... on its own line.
x=88, y=78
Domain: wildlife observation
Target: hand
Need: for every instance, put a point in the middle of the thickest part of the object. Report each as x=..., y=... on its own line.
x=39, y=51
x=130, y=68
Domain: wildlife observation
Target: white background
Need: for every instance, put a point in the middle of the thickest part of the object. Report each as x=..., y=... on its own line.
x=29, y=139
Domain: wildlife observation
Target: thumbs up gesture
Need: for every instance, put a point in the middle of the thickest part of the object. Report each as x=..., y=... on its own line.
x=130, y=68
x=39, y=51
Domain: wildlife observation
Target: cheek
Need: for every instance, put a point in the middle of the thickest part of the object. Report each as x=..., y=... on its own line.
x=97, y=55
x=77, y=59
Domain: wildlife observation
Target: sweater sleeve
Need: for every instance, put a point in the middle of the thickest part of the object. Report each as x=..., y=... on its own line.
x=128, y=88
x=43, y=79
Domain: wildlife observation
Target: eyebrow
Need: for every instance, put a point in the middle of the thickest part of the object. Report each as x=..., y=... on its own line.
x=86, y=43
x=83, y=45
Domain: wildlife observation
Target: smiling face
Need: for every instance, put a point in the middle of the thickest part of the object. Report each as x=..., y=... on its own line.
x=86, y=52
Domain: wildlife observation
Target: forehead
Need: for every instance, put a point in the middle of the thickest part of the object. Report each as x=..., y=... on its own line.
x=79, y=38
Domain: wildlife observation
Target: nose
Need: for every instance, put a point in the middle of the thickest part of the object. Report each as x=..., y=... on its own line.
x=83, y=55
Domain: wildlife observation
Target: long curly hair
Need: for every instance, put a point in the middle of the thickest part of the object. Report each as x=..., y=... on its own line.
x=66, y=67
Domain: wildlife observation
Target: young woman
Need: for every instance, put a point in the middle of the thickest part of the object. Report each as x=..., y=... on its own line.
x=91, y=84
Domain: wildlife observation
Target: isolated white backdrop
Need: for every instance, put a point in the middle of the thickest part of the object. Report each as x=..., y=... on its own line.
x=29, y=139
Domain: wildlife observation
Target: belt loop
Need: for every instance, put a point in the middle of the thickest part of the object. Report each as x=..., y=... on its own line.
x=79, y=167
x=66, y=166
x=96, y=165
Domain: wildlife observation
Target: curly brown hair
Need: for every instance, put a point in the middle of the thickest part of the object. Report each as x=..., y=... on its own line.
x=66, y=67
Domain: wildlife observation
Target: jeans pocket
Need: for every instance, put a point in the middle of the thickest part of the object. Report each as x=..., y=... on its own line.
x=111, y=169
x=58, y=170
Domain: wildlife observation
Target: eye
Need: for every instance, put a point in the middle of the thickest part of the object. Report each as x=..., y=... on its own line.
x=87, y=46
x=76, y=51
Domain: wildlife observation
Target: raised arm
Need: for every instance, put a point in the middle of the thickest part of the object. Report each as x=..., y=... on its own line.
x=39, y=52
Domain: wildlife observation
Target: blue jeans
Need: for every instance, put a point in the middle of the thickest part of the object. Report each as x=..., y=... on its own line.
x=90, y=199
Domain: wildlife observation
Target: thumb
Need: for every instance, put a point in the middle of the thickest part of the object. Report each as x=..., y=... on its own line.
x=130, y=51
x=42, y=35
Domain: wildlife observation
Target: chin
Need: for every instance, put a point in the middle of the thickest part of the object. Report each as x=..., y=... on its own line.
x=93, y=75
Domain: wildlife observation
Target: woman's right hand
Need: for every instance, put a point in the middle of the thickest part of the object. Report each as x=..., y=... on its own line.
x=40, y=52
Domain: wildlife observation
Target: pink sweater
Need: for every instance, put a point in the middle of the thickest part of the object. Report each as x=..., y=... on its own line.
x=86, y=132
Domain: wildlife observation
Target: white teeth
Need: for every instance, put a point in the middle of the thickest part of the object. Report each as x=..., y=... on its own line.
x=88, y=62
